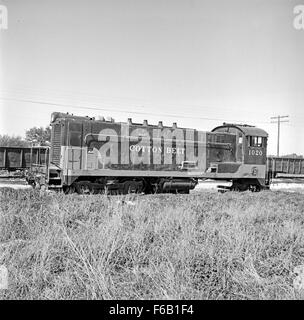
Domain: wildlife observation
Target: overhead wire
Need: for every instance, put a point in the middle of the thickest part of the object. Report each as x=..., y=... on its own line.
x=122, y=111
x=139, y=103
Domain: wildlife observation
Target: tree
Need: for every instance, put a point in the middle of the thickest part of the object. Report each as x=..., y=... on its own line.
x=13, y=141
x=39, y=136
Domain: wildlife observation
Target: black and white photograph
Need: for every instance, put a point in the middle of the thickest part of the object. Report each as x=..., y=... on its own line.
x=151, y=150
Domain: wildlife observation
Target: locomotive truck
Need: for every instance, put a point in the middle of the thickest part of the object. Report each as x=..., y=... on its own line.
x=89, y=155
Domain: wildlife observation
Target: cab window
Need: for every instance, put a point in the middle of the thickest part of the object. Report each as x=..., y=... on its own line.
x=255, y=141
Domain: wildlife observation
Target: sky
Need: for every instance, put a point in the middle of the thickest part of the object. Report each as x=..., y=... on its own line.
x=197, y=63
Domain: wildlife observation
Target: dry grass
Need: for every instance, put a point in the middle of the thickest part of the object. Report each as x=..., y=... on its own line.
x=199, y=246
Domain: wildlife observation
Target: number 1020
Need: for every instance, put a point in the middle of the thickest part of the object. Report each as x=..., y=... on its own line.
x=255, y=152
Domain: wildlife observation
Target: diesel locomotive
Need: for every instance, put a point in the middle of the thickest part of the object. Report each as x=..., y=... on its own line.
x=89, y=155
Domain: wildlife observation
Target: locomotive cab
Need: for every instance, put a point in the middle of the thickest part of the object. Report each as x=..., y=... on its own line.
x=255, y=149
x=250, y=154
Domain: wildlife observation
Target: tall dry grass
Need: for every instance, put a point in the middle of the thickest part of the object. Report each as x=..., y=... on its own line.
x=198, y=246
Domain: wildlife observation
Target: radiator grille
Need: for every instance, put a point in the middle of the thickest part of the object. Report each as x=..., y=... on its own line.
x=56, y=144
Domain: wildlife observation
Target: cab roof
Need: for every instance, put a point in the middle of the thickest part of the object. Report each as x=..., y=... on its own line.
x=247, y=130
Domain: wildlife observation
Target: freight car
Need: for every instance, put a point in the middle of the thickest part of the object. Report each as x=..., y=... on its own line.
x=282, y=167
x=89, y=155
x=22, y=158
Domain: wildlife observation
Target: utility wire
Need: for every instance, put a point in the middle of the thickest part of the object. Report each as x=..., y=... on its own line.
x=126, y=101
x=119, y=110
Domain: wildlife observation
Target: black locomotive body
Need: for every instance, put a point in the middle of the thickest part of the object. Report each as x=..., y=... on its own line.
x=90, y=155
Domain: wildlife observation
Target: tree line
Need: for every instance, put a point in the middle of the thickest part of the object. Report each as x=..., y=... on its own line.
x=36, y=136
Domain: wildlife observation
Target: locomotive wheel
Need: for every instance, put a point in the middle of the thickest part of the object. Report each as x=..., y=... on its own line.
x=69, y=189
x=255, y=188
x=132, y=187
x=83, y=188
x=239, y=187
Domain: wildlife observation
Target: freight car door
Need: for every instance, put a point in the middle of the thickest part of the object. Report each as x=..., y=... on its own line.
x=256, y=150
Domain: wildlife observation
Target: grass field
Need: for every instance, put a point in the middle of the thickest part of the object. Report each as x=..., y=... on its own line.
x=200, y=246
